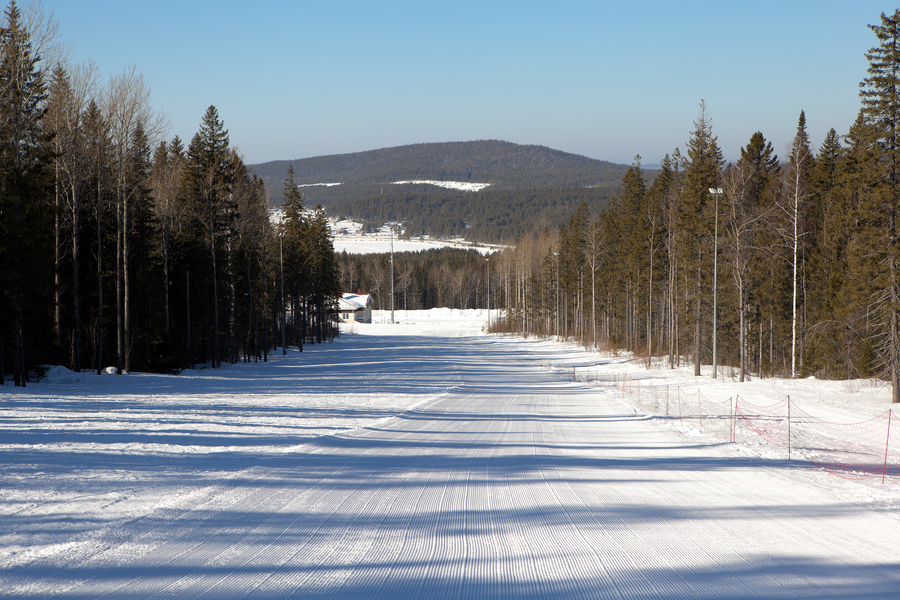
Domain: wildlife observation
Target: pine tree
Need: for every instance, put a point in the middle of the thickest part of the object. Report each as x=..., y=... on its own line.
x=26, y=214
x=296, y=259
x=98, y=148
x=696, y=219
x=208, y=197
x=634, y=263
x=880, y=94
x=166, y=179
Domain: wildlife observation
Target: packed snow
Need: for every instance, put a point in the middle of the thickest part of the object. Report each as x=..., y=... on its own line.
x=425, y=458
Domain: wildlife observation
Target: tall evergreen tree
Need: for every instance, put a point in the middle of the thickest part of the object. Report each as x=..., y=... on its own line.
x=208, y=196
x=98, y=147
x=26, y=214
x=880, y=94
x=295, y=228
x=696, y=219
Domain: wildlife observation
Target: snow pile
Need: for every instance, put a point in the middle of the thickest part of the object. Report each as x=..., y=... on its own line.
x=462, y=186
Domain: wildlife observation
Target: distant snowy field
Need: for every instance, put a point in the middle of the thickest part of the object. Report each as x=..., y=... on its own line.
x=348, y=237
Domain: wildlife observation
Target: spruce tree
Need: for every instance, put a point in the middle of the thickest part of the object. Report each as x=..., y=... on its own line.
x=294, y=228
x=696, y=219
x=880, y=94
x=26, y=213
x=208, y=197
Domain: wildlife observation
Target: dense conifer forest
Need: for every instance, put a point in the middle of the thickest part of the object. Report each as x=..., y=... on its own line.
x=784, y=265
x=488, y=216
x=122, y=248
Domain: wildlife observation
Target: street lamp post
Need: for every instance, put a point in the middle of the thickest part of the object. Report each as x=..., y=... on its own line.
x=487, y=262
x=716, y=192
x=392, y=273
x=556, y=254
x=283, y=313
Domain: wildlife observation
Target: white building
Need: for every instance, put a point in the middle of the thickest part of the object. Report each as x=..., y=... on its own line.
x=356, y=307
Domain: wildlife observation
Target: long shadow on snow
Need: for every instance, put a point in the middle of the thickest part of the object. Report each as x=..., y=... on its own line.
x=385, y=575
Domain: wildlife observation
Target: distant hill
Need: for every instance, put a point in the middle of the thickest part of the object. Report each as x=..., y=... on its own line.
x=539, y=181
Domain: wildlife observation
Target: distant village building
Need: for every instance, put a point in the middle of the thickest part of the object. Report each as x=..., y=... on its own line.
x=356, y=307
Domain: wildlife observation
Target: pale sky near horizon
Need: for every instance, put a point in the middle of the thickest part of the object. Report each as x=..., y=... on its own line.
x=608, y=80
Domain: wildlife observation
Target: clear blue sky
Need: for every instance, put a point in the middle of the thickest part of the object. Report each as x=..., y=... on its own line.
x=608, y=80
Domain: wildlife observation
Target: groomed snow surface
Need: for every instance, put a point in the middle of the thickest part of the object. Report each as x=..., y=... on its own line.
x=421, y=459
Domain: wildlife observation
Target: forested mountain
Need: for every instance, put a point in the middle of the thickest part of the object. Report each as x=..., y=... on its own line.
x=502, y=164
x=528, y=184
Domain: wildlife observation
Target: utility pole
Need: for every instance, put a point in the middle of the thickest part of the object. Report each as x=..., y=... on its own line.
x=283, y=313
x=487, y=262
x=556, y=254
x=716, y=192
x=392, y=273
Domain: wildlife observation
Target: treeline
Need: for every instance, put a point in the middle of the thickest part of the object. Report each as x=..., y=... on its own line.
x=793, y=269
x=120, y=248
x=434, y=278
x=502, y=164
x=487, y=216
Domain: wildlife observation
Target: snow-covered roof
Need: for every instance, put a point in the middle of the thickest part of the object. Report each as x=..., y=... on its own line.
x=345, y=305
x=359, y=301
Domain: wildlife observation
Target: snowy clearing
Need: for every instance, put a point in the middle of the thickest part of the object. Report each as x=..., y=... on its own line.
x=347, y=238
x=462, y=186
x=422, y=459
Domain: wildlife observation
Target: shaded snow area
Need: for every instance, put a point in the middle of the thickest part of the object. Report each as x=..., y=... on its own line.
x=424, y=459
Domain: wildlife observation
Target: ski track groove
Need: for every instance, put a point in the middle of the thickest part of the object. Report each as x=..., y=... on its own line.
x=547, y=491
x=609, y=586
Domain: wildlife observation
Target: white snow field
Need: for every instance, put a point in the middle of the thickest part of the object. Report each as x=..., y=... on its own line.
x=421, y=459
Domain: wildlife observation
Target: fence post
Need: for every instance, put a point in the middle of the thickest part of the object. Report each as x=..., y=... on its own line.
x=731, y=403
x=678, y=391
x=699, y=409
x=887, y=445
x=789, y=427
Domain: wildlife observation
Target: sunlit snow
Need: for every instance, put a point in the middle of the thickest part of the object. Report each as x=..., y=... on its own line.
x=425, y=458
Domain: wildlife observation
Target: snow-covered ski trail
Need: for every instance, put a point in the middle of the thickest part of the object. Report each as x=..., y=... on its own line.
x=508, y=482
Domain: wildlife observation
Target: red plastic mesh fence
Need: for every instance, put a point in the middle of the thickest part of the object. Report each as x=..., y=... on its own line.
x=864, y=450
x=768, y=422
x=852, y=450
